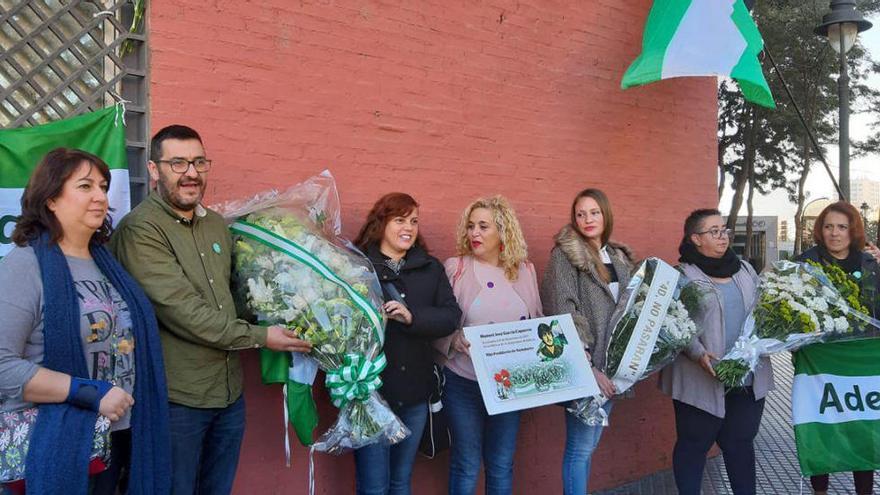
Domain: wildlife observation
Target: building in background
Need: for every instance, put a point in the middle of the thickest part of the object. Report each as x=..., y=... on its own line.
x=765, y=238
x=785, y=246
x=865, y=194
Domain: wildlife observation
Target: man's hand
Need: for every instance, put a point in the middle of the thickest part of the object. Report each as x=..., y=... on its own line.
x=706, y=362
x=115, y=403
x=282, y=339
x=397, y=311
x=605, y=385
x=873, y=250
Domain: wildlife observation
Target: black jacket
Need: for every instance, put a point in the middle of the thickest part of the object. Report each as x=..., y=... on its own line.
x=423, y=286
x=869, y=278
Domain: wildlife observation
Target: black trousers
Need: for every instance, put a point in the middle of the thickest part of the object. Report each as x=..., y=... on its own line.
x=698, y=430
x=114, y=479
x=863, y=481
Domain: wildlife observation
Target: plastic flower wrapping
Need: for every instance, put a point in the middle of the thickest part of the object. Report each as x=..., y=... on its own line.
x=797, y=304
x=292, y=268
x=652, y=323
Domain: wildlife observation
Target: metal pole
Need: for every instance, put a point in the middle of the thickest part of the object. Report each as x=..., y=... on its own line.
x=843, y=91
x=816, y=149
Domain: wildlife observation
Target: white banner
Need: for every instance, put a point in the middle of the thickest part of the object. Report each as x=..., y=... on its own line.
x=119, y=197
x=641, y=344
x=834, y=399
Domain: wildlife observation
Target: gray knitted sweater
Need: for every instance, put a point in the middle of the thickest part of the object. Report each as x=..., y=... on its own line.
x=571, y=284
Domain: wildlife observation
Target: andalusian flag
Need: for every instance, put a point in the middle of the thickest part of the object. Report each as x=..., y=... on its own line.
x=101, y=133
x=836, y=406
x=701, y=38
x=300, y=409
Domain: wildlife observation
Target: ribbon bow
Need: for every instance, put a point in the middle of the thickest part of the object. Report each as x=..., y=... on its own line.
x=356, y=379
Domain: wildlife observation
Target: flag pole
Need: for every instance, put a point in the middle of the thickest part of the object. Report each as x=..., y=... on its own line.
x=803, y=121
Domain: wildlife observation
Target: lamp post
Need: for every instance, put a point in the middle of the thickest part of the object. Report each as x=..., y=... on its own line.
x=842, y=26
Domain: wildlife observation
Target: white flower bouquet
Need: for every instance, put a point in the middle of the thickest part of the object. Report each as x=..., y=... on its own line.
x=293, y=269
x=797, y=304
x=653, y=322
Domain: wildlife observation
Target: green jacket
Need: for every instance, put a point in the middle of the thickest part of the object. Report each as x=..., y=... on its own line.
x=184, y=267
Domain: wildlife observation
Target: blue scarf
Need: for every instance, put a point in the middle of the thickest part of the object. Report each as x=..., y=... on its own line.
x=61, y=443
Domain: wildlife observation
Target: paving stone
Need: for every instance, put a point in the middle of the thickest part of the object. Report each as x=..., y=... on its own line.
x=777, y=473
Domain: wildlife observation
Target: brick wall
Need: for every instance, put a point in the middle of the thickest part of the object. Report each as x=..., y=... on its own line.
x=446, y=100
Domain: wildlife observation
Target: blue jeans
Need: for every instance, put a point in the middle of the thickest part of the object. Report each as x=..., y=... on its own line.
x=580, y=442
x=383, y=469
x=476, y=437
x=204, y=448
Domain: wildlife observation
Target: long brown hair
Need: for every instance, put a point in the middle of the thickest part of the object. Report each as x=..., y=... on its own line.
x=45, y=184
x=388, y=207
x=856, y=227
x=608, y=225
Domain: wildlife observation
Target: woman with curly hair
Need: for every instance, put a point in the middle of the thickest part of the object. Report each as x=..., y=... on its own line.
x=493, y=282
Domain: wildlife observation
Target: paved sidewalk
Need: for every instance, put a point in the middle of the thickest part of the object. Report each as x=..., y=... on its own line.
x=778, y=472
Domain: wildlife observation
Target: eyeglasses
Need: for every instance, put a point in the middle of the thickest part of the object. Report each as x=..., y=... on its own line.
x=717, y=233
x=180, y=165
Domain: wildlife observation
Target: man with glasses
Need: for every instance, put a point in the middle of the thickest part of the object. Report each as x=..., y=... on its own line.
x=180, y=253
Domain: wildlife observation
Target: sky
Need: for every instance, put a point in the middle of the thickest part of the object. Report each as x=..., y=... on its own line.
x=818, y=183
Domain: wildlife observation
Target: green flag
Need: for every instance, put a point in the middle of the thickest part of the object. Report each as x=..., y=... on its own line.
x=101, y=133
x=701, y=38
x=836, y=407
x=301, y=409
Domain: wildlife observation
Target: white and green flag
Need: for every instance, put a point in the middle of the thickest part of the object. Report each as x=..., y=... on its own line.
x=836, y=407
x=101, y=133
x=701, y=38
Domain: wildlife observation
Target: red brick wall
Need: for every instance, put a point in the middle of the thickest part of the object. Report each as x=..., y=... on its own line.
x=446, y=100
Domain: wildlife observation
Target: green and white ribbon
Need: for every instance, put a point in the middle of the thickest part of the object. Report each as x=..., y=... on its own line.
x=356, y=379
x=302, y=255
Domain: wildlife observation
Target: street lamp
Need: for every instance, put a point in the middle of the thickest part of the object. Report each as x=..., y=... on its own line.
x=841, y=26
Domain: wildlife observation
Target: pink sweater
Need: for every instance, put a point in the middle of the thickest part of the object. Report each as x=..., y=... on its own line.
x=460, y=271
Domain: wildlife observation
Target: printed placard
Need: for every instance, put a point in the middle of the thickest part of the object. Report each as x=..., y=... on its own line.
x=530, y=363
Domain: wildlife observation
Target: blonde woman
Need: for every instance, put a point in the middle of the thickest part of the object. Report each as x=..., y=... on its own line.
x=493, y=282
